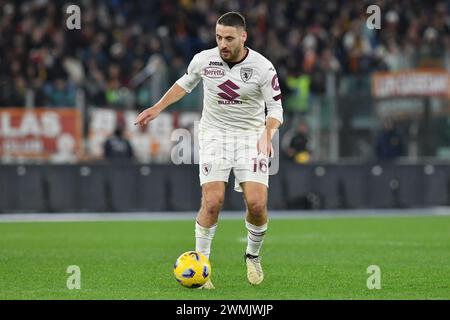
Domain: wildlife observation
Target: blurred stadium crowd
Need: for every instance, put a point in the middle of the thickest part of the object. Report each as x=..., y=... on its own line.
x=117, y=39
x=128, y=53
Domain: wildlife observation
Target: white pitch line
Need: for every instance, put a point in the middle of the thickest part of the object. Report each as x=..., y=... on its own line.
x=190, y=215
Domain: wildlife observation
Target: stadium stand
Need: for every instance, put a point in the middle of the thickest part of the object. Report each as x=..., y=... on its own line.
x=128, y=53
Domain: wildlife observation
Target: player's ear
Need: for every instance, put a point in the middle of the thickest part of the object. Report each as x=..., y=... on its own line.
x=244, y=36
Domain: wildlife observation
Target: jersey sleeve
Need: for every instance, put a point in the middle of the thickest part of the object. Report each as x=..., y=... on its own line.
x=192, y=76
x=270, y=88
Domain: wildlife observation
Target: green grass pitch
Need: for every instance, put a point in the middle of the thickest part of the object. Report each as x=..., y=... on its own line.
x=325, y=258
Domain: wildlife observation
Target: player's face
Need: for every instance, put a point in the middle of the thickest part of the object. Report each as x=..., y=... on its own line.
x=230, y=41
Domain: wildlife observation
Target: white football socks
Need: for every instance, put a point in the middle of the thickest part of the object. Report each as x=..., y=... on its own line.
x=255, y=238
x=203, y=238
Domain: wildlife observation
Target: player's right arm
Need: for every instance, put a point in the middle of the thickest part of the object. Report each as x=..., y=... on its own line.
x=179, y=89
x=172, y=95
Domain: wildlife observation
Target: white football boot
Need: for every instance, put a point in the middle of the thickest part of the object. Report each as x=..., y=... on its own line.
x=208, y=285
x=255, y=274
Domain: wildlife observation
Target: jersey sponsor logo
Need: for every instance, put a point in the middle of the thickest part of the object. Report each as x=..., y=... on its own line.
x=228, y=88
x=230, y=102
x=215, y=63
x=213, y=72
x=206, y=168
x=275, y=84
x=246, y=74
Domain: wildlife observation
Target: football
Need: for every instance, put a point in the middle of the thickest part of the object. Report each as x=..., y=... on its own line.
x=192, y=269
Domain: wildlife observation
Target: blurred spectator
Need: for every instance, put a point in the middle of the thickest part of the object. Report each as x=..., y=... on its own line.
x=389, y=143
x=298, y=146
x=13, y=92
x=299, y=86
x=117, y=149
x=60, y=93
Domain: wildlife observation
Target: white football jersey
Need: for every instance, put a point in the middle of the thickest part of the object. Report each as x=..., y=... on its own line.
x=234, y=98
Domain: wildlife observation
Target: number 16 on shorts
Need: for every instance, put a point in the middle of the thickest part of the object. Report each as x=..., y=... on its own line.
x=272, y=164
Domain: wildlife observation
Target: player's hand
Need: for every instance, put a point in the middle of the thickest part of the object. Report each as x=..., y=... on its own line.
x=264, y=145
x=146, y=116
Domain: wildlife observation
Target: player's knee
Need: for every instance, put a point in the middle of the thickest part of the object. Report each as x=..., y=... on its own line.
x=256, y=207
x=212, y=203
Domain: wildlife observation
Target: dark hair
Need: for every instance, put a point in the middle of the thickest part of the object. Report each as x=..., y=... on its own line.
x=232, y=19
x=118, y=131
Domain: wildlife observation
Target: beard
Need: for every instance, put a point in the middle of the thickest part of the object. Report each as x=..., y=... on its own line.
x=230, y=56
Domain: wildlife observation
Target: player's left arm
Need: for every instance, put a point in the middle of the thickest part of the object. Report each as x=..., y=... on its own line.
x=272, y=96
x=265, y=142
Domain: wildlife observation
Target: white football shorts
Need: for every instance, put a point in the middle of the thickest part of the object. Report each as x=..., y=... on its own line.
x=220, y=152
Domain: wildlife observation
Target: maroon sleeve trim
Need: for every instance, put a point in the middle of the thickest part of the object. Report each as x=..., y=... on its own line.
x=278, y=97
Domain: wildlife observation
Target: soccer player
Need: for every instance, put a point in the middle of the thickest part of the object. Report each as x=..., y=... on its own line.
x=241, y=111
